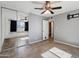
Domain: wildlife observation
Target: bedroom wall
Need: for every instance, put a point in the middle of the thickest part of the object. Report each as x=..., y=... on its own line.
x=35, y=28
x=67, y=30
x=0, y=29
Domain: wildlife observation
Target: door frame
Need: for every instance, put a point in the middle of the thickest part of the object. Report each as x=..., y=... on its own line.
x=53, y=28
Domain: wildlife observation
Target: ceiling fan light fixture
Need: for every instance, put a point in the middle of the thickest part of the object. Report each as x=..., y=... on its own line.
x=47, y=7
x=47, y=12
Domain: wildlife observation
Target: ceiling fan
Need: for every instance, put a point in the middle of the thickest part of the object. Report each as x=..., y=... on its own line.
x=47, y=6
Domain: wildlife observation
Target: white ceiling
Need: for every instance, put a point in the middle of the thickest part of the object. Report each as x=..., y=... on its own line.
x=42, y=2
x=28, y=6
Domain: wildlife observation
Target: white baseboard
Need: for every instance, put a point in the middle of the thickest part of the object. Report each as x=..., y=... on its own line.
x=36, y=41
x=66, y=43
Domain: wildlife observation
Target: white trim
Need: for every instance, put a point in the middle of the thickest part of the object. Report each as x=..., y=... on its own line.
x=36, y=41
x=67, y=43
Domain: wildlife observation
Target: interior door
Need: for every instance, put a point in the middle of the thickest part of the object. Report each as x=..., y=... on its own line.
x=45, y=29
x=7, y=15
x=51, y=30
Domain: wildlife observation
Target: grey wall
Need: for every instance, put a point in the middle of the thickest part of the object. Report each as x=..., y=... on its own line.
x=67, y=30
x=0, y=29
x=35, y=28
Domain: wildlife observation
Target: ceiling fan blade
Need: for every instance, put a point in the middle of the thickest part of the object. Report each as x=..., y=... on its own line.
x=56, y=8
x=51, y=12
x=39, y=8
x=43, y=12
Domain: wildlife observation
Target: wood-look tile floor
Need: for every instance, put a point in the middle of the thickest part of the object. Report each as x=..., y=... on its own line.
x=35, y=50
x=14, y=42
